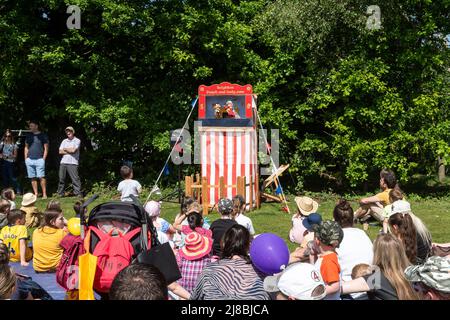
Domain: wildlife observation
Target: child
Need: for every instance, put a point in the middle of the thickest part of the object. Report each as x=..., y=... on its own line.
x=5, y=207
x=328, y=236
x=192, y=258
x=128, y=186
x=394, y=195
x=239, y=217
x=10, y=195
x=360, y=270
x=15, y=236
x=314, y=219
x=46, y=242
x=192, y=220
x=305, y=206
x=220, y=226
x=165, y=229
x=33, y=217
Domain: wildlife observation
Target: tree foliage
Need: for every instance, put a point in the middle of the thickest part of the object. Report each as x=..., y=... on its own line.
x=347, y=100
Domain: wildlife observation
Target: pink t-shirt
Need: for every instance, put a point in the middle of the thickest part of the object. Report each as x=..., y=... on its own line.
x=297, y=230
x=204, y=232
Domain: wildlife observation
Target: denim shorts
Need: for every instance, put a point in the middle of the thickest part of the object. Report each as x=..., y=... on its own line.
x=35, y=168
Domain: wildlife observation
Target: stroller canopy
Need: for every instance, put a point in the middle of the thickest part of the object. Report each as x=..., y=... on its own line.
x=123, y=211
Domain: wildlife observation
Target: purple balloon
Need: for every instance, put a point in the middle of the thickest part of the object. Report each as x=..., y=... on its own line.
x=269, y=253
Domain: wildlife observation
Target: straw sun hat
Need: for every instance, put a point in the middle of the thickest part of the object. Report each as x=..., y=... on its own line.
x=306, y=205
x=28, y=198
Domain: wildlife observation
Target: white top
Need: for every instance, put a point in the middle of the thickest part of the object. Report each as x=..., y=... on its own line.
x=245, y=222
x=13, y=205
x=355, y=248
x=8, y=151
x=72, y=158
x=129, y=187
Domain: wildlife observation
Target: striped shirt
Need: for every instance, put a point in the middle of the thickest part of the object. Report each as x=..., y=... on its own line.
x=228, y=279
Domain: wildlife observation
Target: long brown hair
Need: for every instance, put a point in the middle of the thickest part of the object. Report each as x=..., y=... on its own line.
x=390, y=257
x=406, y=231
x=49, y=217
x=7, y=276
x=10, y=135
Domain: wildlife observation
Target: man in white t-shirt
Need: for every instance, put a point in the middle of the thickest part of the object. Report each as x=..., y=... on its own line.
x=128, y=186
x=70, y=151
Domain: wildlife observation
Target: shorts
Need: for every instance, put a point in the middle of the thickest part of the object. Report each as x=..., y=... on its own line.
x=35, y=168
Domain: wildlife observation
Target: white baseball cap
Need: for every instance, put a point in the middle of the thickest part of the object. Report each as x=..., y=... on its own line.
x=298, y=280
x=400, y=206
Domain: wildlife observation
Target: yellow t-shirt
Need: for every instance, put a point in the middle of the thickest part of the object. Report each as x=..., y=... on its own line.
x=11, y=236
x=47, y=251
x=384, y=197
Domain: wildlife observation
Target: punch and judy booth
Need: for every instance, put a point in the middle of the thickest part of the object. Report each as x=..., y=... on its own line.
x=228, y=144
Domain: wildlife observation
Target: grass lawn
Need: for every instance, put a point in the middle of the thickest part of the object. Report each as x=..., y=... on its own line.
x=270, y=218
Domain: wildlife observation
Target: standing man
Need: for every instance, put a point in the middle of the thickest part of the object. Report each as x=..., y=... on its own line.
x=70, y=149
x=36, y=151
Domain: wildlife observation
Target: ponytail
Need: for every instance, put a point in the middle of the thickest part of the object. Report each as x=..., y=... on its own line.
x=407, y=233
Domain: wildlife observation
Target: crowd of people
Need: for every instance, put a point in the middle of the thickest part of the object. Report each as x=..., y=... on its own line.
x=36, y=148
x=334, y=259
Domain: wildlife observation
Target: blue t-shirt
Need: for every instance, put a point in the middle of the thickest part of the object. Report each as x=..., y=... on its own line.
x=35, y=144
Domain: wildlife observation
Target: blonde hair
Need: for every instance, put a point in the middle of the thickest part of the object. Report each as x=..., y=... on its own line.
x=7, y=276
x=421, y=229
x=390, y=257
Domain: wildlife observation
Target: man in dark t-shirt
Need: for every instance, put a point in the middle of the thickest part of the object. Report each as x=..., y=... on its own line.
x=220, y=226
x=36, y=150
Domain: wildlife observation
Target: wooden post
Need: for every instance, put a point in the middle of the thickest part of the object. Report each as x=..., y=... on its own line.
x=243, y=188
x=258, y=197
x=221, y=187
x=250, y=183
x=188, y=181
x=238, y=185
x=205, y=198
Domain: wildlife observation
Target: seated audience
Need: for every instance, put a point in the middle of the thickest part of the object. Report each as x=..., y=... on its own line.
x=305, y=206
x=233, y=277
x=15, y=236
x=373, y=206
x=46, y=242
x=299, y=281
x=388, y=281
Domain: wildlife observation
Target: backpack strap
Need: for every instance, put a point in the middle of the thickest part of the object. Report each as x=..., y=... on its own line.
x=87, y=240
x=99, y=233
x=129, y=235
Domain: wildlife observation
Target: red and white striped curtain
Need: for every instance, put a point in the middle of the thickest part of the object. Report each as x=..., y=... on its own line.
x=229, y=153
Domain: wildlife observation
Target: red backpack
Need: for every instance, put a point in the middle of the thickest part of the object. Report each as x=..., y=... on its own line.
x=67, y=273
x=113, y=253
